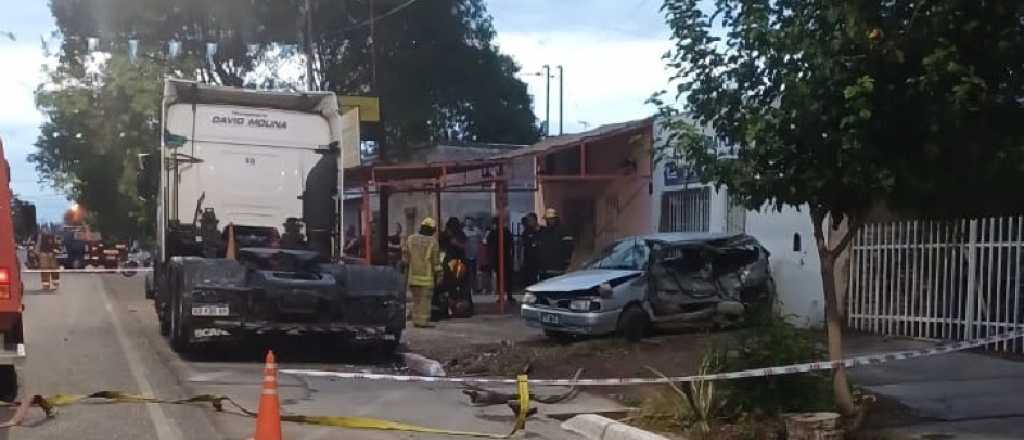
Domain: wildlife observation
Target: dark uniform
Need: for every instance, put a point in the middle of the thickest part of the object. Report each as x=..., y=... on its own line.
x=531, y=251
x=556, y=246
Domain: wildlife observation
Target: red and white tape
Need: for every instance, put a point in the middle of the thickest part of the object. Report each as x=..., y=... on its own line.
x=856, y=361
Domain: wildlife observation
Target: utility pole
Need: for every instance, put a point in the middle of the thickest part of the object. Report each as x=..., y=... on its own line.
x=547, y=100
x=308, y=42
x=561, y=88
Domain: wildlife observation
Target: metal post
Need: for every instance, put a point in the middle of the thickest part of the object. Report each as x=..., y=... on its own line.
x=502, y=292
x=972, y=289
x=367, y=246
x=547, y=100
x=561, y=94
x=382, y=241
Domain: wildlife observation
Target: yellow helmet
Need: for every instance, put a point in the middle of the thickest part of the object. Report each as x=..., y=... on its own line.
x=550, y=213
x=428, y=222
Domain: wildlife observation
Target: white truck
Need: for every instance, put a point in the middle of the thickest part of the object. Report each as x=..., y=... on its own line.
x=247, y=223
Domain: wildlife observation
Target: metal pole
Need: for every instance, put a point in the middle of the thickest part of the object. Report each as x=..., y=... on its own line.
x=561, y=89
x=502, y=276
x=547, y=100
x=367, y=247
x=308, y=42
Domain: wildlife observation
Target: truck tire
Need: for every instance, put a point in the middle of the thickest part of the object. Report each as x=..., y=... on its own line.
x=178, y=319
x=634, y=323
x=180, y=327
x=8, y=383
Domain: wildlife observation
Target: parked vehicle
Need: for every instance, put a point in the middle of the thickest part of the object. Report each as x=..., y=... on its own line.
x=235, y=166
x=12, y=337
x=657, y=281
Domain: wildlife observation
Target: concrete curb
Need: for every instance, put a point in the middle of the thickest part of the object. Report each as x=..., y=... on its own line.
x=423, y=366
x=595, y=427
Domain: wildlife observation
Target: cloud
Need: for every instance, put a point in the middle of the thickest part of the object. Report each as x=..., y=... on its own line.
x=22, y=73
x=607, y=78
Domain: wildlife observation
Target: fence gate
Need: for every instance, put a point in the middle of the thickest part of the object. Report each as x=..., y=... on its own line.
x=957, y=279
x=687, y=210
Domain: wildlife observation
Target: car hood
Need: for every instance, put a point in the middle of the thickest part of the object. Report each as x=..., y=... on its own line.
x=583, y=279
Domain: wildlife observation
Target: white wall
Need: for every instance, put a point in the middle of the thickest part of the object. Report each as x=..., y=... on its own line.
x=797, y=274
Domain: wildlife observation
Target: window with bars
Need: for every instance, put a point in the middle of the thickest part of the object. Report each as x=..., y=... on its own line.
x=686, y=210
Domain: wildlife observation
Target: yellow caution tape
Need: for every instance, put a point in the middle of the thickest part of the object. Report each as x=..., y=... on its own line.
x=47, y=404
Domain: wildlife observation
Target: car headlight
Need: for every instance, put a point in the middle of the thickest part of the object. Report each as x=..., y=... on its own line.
x=583, y=305
x=529, y=298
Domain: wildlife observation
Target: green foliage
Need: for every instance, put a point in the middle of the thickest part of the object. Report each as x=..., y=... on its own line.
x=433, y=63
x=774, y=342
x=845, y=105
x=96, y=125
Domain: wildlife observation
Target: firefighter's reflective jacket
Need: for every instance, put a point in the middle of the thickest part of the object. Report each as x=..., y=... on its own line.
x=421, y=255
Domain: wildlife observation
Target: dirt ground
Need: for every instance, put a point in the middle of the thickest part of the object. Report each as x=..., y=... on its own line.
x=502, y=345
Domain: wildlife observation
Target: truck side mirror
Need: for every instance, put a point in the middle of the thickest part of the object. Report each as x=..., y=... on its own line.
x=147, y=178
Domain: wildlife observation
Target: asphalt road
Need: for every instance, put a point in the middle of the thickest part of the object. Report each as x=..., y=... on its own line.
x=98, y=332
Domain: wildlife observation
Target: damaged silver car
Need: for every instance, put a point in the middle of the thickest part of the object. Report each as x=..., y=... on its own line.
x=656, y=282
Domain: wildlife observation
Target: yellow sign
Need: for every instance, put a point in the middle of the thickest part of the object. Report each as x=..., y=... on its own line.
x=369, y=107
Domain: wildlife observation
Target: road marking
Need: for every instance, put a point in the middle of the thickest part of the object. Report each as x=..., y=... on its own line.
x=160, y=421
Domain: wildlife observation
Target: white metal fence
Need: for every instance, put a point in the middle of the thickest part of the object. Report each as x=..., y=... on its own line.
x=939, y=279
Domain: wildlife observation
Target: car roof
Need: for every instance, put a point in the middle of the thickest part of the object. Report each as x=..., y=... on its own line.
x=688, y=237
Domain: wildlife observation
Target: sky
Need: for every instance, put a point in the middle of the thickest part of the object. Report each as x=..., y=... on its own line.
x=610, y=51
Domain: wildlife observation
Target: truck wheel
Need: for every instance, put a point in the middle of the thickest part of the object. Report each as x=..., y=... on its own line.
x=634, y=323
x=180, y=328
x=8, y=383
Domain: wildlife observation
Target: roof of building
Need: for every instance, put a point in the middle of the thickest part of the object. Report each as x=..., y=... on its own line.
x=554, y=143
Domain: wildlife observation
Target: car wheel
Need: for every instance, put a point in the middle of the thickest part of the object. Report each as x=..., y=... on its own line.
x=634, y=323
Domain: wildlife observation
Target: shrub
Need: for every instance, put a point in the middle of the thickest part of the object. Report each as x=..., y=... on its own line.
x=774, y=342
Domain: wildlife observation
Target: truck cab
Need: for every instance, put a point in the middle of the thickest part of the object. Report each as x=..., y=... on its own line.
x=249, y=242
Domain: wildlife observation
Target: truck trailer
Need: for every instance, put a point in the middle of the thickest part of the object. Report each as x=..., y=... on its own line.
x=248, y=238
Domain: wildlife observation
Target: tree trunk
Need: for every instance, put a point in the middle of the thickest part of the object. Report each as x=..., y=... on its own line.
x=833, y=320
x=842, y=265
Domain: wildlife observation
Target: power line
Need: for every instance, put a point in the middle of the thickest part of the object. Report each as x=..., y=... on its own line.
x=372, y=20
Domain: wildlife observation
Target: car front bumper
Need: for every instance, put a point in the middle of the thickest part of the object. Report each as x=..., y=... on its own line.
x=578, y=323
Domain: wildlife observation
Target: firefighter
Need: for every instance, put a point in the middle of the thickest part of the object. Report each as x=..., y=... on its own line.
x=46, y=249
x=556, y=246
x=531, y=255
x=420, y=255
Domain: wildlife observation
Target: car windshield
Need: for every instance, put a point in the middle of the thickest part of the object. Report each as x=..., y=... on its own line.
x=623, y=255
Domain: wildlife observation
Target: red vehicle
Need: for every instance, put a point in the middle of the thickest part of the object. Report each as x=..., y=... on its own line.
x=12, y=340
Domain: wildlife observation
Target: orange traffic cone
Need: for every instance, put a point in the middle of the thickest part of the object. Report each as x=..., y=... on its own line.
x=268, y=418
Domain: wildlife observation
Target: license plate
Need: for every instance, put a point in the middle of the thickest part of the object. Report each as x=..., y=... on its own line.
x=210, y=311
x=549, y=318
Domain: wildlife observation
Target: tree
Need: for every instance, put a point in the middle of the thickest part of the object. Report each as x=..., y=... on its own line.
x=433, y=63
x=96, y=124
x=842, y=107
